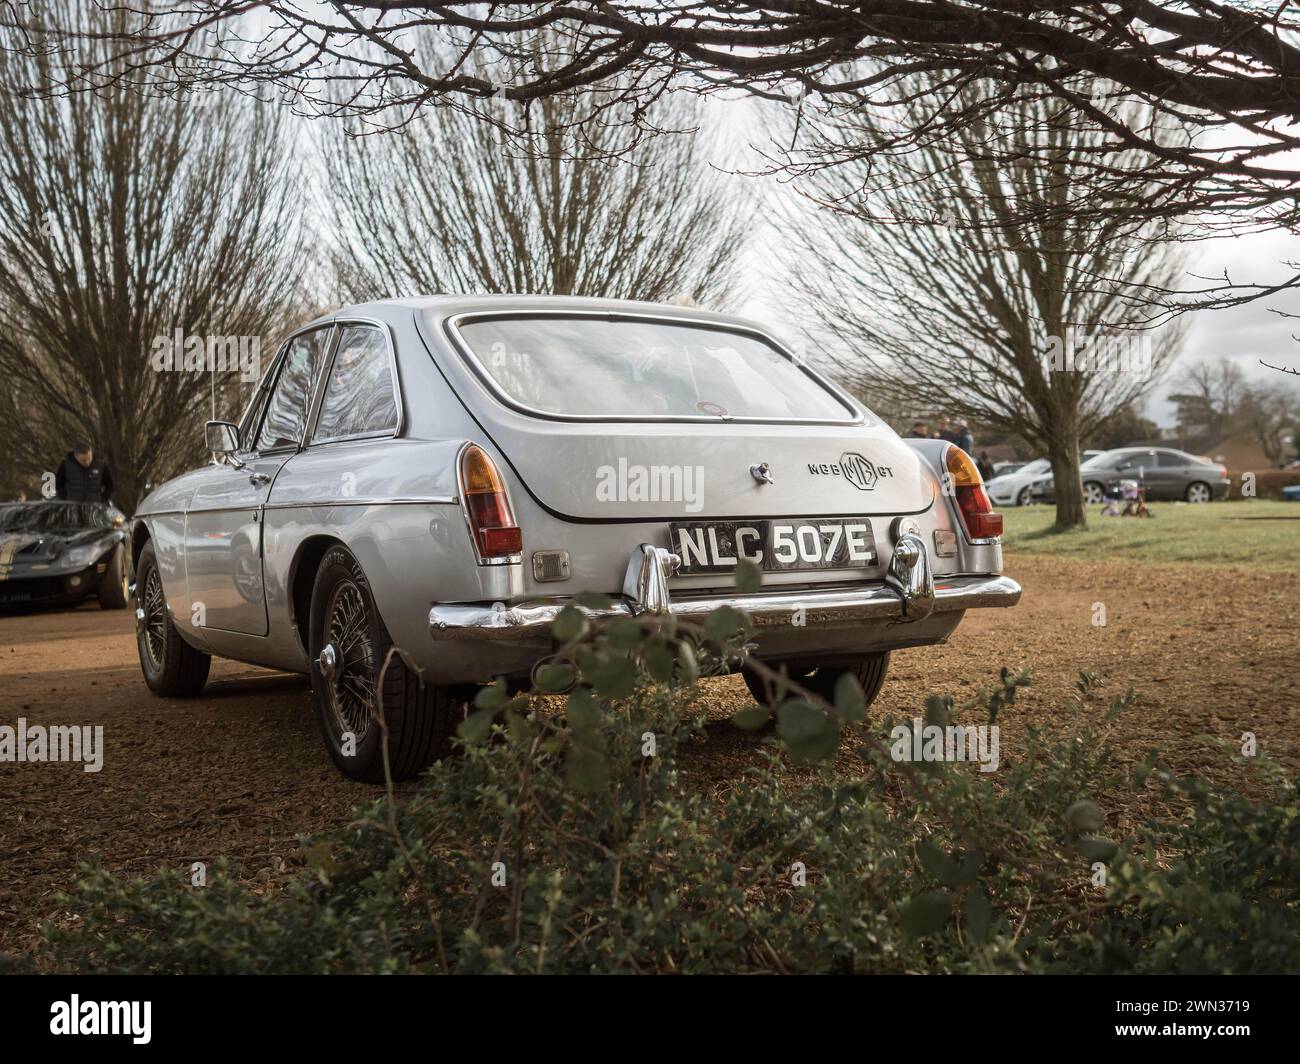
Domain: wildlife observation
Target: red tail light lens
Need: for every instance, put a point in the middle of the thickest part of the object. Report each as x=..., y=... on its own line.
x=977, y=512
x=491, y=520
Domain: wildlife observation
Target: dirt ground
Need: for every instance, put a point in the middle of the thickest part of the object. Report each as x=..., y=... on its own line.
x=240, y=772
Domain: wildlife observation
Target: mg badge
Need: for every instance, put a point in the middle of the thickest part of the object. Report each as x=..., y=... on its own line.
x=859, y=471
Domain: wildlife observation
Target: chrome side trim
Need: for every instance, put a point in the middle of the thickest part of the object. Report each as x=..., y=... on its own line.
x=306, y=504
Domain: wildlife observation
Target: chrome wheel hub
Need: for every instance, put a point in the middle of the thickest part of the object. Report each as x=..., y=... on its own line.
x=151, y=620
x=347, y=660
x=328, y=662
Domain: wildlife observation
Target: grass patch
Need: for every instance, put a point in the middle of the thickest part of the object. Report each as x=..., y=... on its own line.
x=1258, y=533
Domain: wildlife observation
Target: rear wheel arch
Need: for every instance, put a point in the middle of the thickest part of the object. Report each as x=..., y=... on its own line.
x=302, y=578
x=139, y=537
x=420, y=718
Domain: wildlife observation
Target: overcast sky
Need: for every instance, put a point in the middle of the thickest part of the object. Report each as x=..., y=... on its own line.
x=1250, y=332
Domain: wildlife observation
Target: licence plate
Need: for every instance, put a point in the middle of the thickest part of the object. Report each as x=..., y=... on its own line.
x=775, y=546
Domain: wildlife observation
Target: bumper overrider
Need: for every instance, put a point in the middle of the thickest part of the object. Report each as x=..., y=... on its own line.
x=908, y=608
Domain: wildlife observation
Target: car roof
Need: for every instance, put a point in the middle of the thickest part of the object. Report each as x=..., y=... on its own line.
x=1148, y=447
x=447, y=306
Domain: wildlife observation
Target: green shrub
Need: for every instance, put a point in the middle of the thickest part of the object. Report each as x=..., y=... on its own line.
x=612, y=864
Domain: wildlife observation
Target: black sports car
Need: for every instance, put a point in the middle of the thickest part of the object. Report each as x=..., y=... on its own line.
x=58, y=553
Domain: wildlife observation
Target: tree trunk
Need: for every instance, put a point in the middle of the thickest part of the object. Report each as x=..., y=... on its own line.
x=1063, y=452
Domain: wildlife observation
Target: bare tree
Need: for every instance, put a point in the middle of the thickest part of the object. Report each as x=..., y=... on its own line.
x=1281, y=369
x=1229, y=72
x=452, y=204
x=1270, y=414
x=126, y=220
x=1209, y=398
x=1215, y=400
x=947, y=288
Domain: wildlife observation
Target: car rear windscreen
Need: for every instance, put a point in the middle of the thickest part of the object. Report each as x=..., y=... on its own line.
x=644, y=369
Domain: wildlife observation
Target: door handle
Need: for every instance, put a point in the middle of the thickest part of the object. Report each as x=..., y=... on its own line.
x=259, y=479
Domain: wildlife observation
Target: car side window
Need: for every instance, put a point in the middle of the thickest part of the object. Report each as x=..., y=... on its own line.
x=1169, y=461
x=286, y=412
x=359, y=395
x=253, y=415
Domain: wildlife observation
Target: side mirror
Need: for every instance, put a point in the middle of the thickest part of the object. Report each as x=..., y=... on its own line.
x=222, y=437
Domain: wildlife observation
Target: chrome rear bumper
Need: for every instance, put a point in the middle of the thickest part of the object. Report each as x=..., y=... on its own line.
x=909, y=596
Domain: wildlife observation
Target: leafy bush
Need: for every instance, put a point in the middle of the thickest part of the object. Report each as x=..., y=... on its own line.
x=570, y=843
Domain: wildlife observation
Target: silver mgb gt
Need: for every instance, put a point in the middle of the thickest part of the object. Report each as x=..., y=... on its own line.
x=419, y=486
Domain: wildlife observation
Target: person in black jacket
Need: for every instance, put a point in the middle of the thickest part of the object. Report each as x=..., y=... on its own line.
x=81, y=479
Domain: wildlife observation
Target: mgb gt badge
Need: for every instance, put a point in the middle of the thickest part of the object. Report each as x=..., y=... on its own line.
x=861, y=472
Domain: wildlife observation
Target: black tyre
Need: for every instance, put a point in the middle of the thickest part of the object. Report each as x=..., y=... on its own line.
x=353, y=676
x=172, y=668
x=1025, y=497
x=113, y=594
x=1093, y=493
x=821, y=679
x=1198, y=492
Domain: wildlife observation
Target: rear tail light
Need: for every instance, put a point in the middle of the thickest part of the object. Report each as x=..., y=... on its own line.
x=972, y=501
x=491, y=521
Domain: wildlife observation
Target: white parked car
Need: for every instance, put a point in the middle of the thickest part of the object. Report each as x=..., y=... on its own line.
x=1013, y=489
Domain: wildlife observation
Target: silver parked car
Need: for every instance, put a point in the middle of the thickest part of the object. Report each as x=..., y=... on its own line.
x=419, y=486
x=1162, y=472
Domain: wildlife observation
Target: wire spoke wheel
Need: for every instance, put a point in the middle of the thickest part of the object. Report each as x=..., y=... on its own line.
x=155, y=620
x=351, y=689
